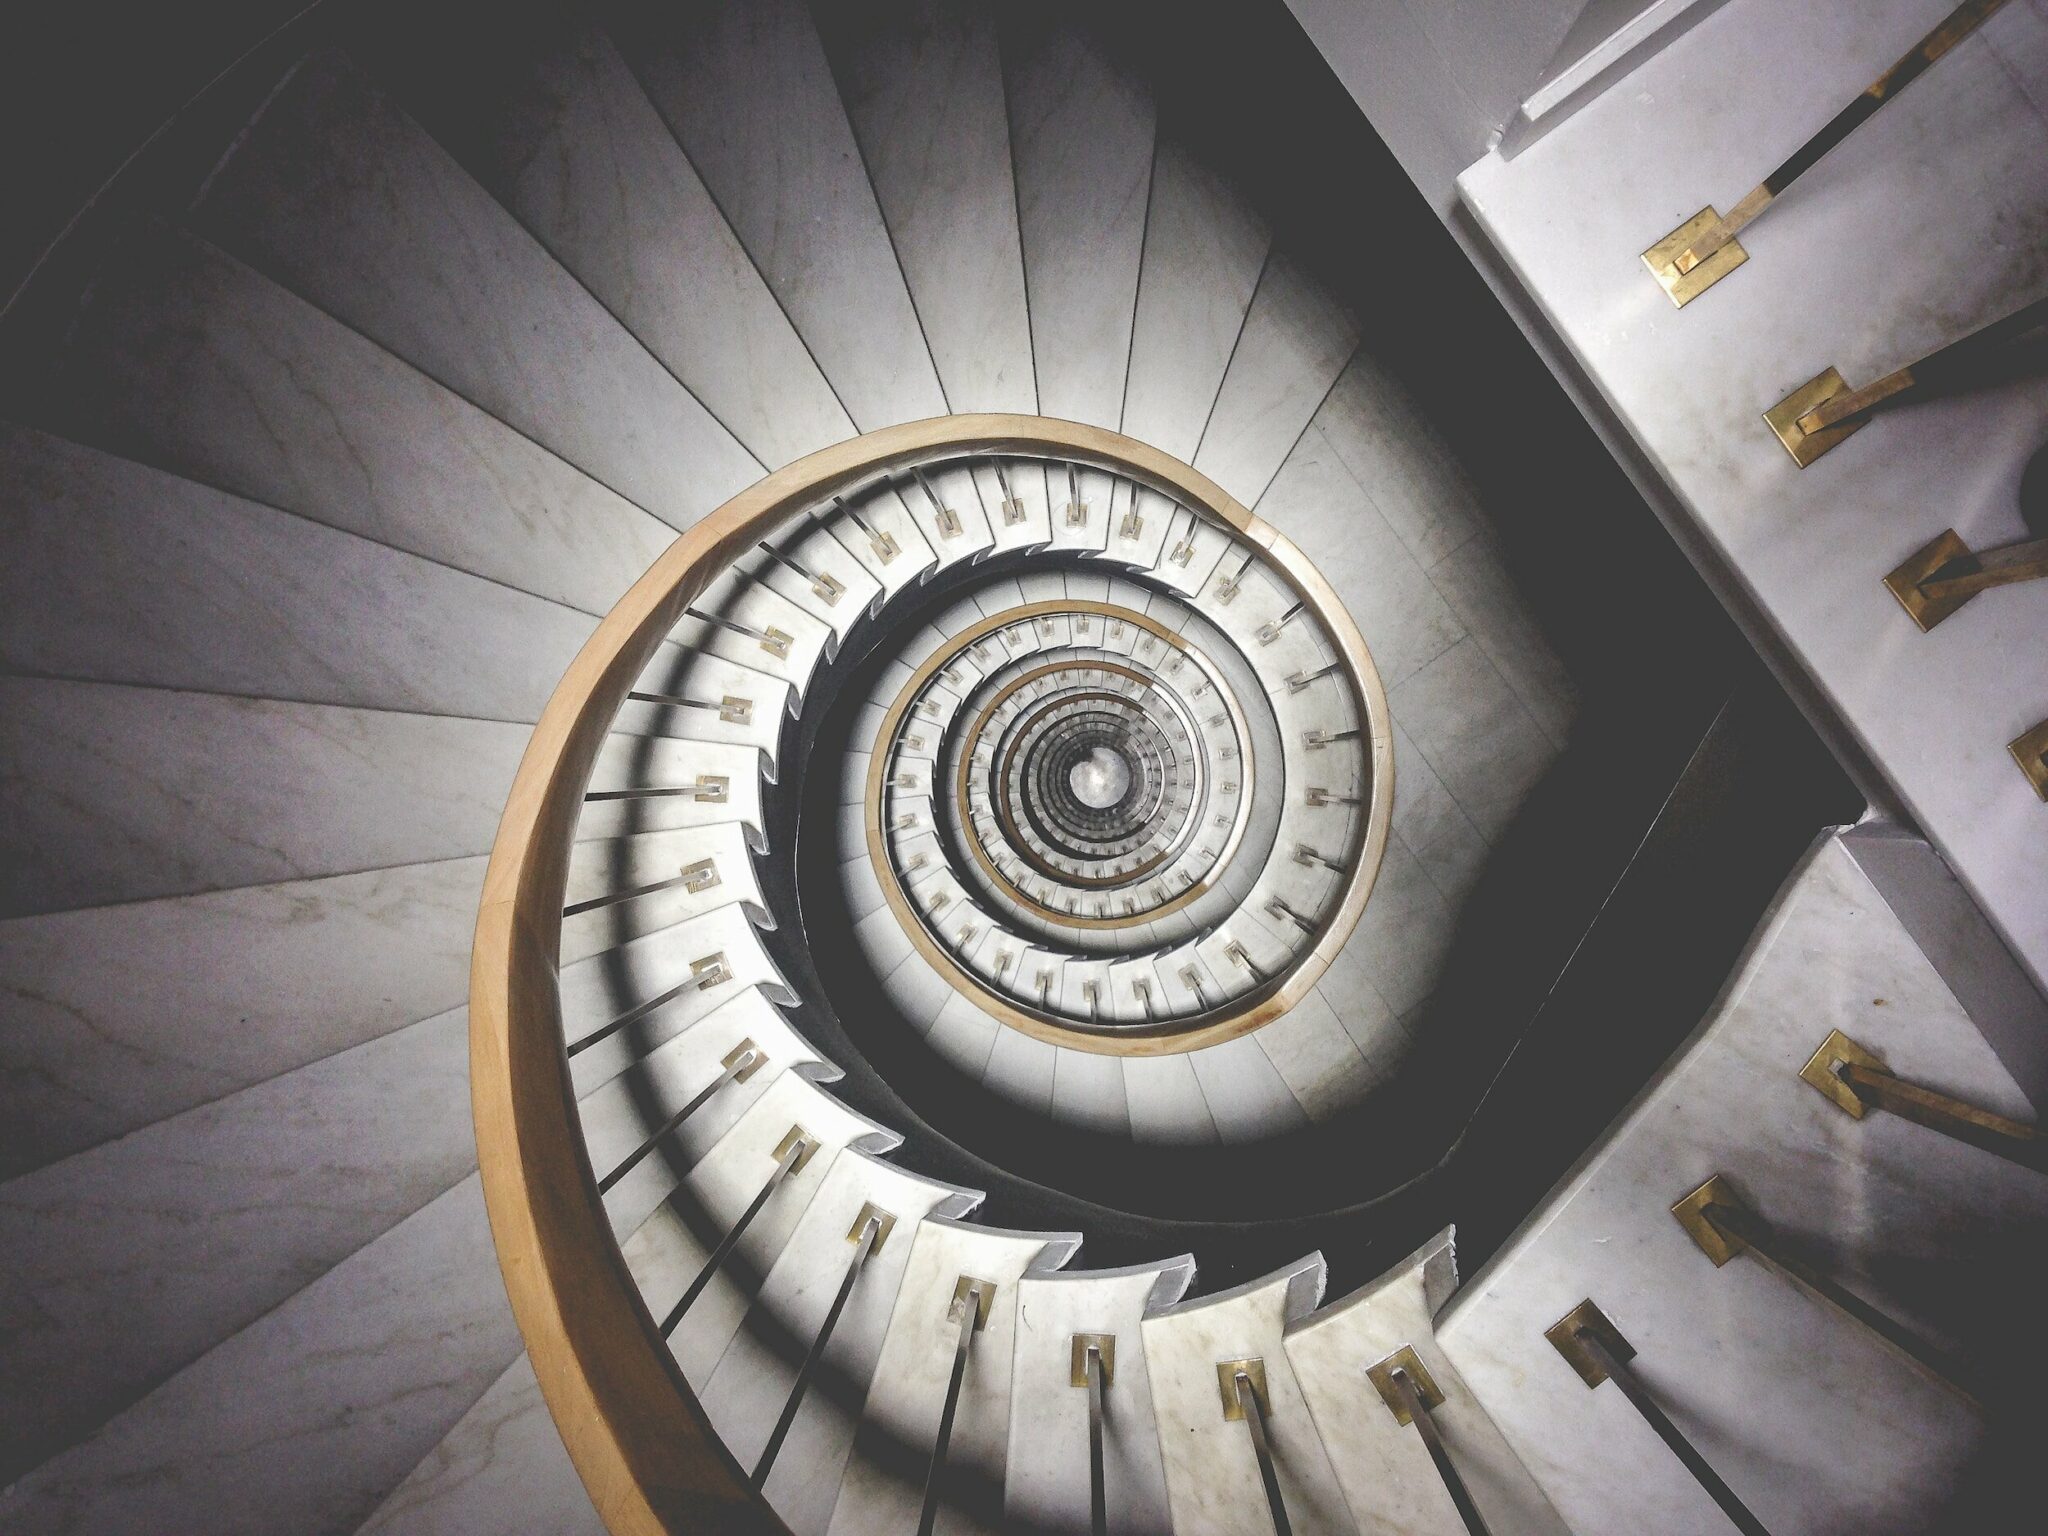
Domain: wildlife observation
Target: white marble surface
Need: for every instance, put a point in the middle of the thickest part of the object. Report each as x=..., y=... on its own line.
x=1166, y=1101
x=1389, y=1482
x=751, y=98
x=883, y=1489
x=229, y=791
x=923, y=88
x=1205, y=247
x=1045, y=1471
x=1923, y=1228
x=308, y=1417
x=186, y=358
x=501, y=1468
x=667, y=1252
x=590, y=167
x=1212, y=1474
x=747, y=1392
x=1081, y=140
x=1248, y=1100
x=118, y=573
x=1942, y=199
x=346, y=201
x=127, y=1262
x=1295, y=342
x=119, y=1016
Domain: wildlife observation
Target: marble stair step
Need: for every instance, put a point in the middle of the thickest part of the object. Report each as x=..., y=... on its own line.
x=1081, y=138
x=551, y=119
x=883, y=1488
x=343, y=198
x=1383, y=1466
x=1046, y=1468
x=186, y=358
x=749, y=1391
x=750, y=96
x=1212, y=1474
x=502, y=1467
x=669, y=1250
x=1918, y=1226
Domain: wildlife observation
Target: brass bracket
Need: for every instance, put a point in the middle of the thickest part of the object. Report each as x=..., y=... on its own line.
x=735, y=711
x=1104, y=1345
x=1409, y=1364
x=700, y=876
x=885, y=1224
x=969, y=1291
x=2030, y=751
x=709, y=972
x=738, y=1054
x=1783, y=418
x=1227, y=1372
x=1683, y=279
x=1819, y=1072
x=1904, y=582
x=1716, y=1244
x=804, y=1144
x=1588, y=1319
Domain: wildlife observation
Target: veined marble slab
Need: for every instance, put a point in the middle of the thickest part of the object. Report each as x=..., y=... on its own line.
x=501, y=1468
x=1205, y=247
x=123, y=574
x=119, y=1016
x=1940, y=204
x=130, y=1261
x=360, y=1374
x=120, y=794
x=344, y=199
x=1295, y=342
x=751, y=98
x=185, y=357
x=589, y=166
x=1923, y=1228
x=747, y=1392
x=883, y=1488
x=923, y=88
x=1081, y=135
x=1045, y=1471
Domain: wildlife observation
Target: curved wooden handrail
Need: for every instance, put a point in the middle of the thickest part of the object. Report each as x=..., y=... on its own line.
x=650, y=1459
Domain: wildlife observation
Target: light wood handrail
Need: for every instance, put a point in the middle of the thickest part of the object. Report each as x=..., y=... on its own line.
x=649, y=1457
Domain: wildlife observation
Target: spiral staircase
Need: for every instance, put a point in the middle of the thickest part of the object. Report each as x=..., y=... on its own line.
x=797, y=685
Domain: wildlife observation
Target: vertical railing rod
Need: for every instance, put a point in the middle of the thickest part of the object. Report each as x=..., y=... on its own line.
x=792, y=1156
x=1255, y=1421
x=737, y=1067
x=967, y=1302
x=1454, y=1485
x=870, y=1236
x=1098, y=1496
x=1632, y=1389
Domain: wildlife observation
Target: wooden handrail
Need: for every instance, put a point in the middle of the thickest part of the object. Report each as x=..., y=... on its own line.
x=642, y=1444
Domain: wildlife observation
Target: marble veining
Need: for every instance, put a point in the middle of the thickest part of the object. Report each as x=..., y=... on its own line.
x=751, y=98
x=347, y=201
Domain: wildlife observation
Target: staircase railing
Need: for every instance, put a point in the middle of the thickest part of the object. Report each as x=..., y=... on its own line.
x=641, y=1442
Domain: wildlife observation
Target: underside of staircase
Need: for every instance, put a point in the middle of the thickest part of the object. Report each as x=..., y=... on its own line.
x=1180, y=910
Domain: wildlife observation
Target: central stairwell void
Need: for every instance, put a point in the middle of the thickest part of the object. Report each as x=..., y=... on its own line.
x=907, y=714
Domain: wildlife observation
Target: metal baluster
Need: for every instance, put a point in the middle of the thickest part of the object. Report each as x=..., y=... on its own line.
x=1596, y=1350
x=1723, y=1227
x=1855, y=1080
x=1095, y=1368
x=869, y=1229
x=791, y=1154
x=1409, y=1391
x=1244, y=1397
x=740, y=1064
x=971, y=1299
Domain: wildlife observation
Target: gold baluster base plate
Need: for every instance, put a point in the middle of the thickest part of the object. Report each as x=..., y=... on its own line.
x=1783, y=418
x=1819, y=1072
x=1226, y=1379
x=1684, y=287
x=1406, y=1361
x=1692, y=1215
x=1904, y=581
x=2031, y=753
